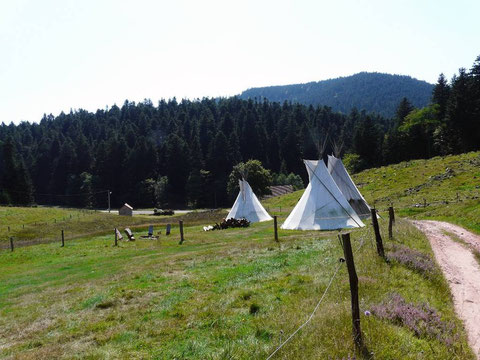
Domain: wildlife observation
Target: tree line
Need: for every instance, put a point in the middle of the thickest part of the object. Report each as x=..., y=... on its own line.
x=180, y=154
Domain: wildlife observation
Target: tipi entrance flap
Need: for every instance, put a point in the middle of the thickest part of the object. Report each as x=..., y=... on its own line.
x=242, y=190
x=322, y=205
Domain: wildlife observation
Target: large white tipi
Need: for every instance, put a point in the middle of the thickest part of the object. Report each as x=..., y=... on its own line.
x=247, y=205
x=347, y=187
x=322, y=205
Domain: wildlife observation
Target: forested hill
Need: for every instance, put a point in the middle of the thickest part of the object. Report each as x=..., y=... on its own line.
x=182, y=153
x=373, y=92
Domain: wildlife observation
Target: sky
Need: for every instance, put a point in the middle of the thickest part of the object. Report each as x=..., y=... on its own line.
x=58, y=55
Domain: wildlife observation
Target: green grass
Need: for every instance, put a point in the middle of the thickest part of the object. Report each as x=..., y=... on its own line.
x=44, y=224
x=223, y=294
x=232, y=294
x=407, y=184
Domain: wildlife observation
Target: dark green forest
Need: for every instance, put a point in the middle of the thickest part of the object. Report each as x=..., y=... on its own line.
x=372, y=92
x=178, y=154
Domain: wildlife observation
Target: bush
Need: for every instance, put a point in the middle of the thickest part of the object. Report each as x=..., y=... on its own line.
x=258, y=177
x=422, y=319
x=353, y=163
x=412, y=259
x=290, y=179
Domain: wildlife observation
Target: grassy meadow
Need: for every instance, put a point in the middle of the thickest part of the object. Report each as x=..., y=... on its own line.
x=236, y=293
x=231, y=294
x=32, y=225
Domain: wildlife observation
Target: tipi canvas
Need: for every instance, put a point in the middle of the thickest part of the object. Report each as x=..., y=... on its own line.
x=247, y=205
x=322, y=205
x=347, y=187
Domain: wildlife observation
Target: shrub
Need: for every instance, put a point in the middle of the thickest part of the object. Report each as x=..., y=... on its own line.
x=422, y=319
x=353, y=163
x=413, y=259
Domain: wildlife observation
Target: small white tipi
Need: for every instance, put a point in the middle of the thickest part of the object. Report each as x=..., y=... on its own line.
x=347, y=187
x=322, y=205
x=247, y=205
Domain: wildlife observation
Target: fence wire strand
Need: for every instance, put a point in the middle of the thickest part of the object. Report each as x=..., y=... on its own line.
x=316, y=307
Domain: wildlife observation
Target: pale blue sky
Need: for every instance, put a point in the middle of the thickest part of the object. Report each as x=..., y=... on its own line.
x=58, y=55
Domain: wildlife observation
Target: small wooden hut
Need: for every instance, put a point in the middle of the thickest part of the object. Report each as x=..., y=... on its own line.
x=126, y=210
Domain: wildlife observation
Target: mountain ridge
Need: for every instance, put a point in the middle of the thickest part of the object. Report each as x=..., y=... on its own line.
x=371, y=91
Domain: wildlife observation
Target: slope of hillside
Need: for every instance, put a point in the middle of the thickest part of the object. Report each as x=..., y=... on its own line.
x=449, y=186
x=373, y=92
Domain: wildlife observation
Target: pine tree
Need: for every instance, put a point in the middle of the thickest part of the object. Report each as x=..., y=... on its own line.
x=16, y=182
x=404, y=108
x=218, y=163
x=177, y=165
x=458, y=119
x=440, y=95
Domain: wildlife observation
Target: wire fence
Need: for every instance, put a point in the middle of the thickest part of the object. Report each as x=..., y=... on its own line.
x=60, y=236
x=312, y=314
x=19, y=226
x=73, y=224
x=63, y=231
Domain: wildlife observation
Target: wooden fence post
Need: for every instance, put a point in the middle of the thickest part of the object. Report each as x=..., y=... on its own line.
x=378, y=237
x=116, y=237
x=63, y=239
x=9, y=229
x=11, y=243
x=275, y=228
x=181, y=232
x=424, y=203
x=352, y=276
x=391, y=220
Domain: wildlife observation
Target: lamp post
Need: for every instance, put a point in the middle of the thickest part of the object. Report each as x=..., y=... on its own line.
x=108, y=193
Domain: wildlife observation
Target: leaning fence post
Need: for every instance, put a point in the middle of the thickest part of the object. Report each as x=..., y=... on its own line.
x=116, y=237
x=11, y=243
x=391, y=220
x=63, y=239
x=275, y=227
x=181, y=232
x=378, y=237
x=352, y=276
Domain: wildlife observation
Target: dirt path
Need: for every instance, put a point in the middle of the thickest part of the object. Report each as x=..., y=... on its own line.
x=461, y=270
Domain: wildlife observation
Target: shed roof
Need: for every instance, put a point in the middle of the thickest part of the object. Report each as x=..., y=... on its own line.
x=127, y=206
